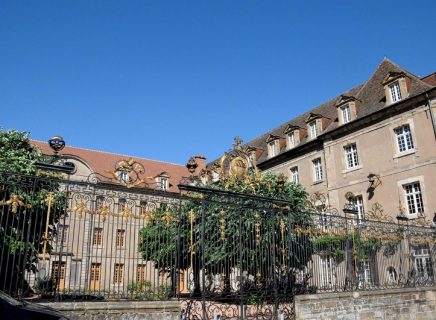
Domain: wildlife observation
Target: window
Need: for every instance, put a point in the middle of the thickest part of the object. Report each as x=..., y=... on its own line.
x=97, y=239
x=294, y=175
x=140, y=273
x=394, y=88
x=272, y=149
x=317, y=167
x=120, y=238
x=351, y=155
x=404, y=138
x=326, y=268
x=358, y=205
x=414, y=198
x=95, y=276
x=424, y=268
x=76, y=266
x=118, y=273
x=143, y=207
x=99, y=202
x=62, y=233
x=392, y=275
x=164, y=183
x=121, y=205
x=346, y=116
x=313, y=131
x=291, y=140
x=123, y=177
x=58, y=272
x=365, y=273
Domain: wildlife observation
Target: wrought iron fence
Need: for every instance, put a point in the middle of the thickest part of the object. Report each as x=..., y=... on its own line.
x=223, y=254
x=73, y=240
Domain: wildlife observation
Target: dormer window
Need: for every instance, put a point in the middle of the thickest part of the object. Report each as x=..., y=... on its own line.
x=313, y=130
x=273, y=143
x=316, y=123
x=346, y=116
x=123, y=177
x=292, y=133
x=397, y=86
x=291, y=140
x=272, y=149
x=163, y=181
x=347, y=107
x=395, y=91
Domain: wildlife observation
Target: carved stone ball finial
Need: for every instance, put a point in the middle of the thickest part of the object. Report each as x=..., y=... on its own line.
x=192, y=165
x=56, y=143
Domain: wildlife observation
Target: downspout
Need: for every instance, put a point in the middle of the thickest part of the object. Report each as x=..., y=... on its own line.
x=431, y=115
x=326, y=177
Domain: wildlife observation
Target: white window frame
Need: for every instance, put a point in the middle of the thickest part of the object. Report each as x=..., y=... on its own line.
x=295, y=176
x=395, y=91
x=291, y=140
x=317, y=170
x=272, y=148
x=359, y=206
x=346, y=113
x=123, y=177
x=423, y=264
x=404, y=138
x=351, y=156
x=326, y=265
x=313, y=129
x=164, y=183
x=413, y=198
x=365, y=275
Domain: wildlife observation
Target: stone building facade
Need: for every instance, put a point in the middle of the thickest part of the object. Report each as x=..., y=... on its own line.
x=373, y=149
x=377, y=140
x=110, y=198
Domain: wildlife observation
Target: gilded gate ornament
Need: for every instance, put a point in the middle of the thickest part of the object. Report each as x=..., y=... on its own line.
x=237, y=162
x=223, y=224
x=128, y=172
x=15, y=202
x=377, y=213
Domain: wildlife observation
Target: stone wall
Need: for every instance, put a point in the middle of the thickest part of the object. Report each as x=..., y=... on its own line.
x=119, y=310
x=398, y=304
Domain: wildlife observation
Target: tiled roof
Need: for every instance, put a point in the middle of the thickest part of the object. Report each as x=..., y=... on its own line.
x=100, y=161
x=430, y=79
x=371, y=95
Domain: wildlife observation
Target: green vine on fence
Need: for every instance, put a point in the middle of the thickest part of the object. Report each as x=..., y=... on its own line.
x=336, y=245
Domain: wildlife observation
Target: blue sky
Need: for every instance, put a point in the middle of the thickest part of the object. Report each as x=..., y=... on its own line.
x=169, y=79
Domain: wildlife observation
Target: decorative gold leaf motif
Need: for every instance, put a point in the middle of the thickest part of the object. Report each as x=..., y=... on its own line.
x=15, y=202
x=79, y=209
x=377, y=213
x=128, y=172
x=223, y=225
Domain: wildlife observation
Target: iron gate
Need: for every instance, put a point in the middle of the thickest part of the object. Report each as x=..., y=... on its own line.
x=224, y=255
x=241, y=258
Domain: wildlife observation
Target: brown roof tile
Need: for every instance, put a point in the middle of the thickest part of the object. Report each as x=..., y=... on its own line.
x=371, y=95
x=100, y=161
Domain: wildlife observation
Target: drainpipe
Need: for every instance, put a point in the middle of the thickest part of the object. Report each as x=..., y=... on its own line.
x=431, y=115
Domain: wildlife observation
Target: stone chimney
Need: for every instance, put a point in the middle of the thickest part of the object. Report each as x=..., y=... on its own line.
x=201, y=161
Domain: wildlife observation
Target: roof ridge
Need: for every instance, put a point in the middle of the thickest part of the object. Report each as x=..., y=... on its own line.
x=115, y=154
x=400, y=67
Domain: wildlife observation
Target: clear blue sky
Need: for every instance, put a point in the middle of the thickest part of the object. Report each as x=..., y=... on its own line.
x=169, y=79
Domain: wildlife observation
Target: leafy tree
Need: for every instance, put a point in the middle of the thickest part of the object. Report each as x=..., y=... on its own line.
x=238, y=223
x=23, y=209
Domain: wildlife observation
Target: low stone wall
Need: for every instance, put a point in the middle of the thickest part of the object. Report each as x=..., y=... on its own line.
x=398, y=304
x=119, y=310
